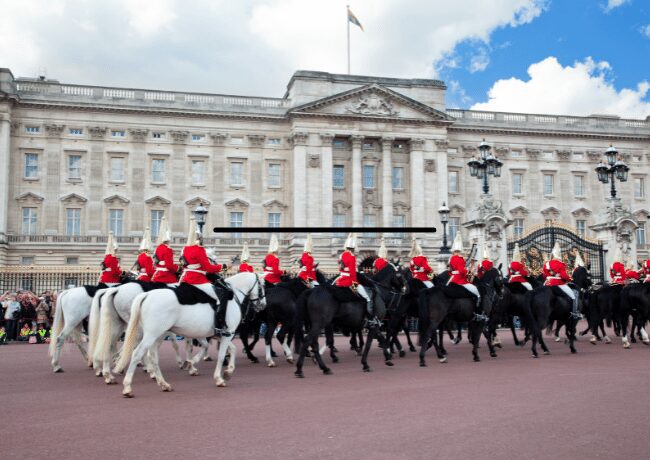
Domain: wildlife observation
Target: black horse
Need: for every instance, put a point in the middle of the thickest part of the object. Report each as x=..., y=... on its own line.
x=636, y=298
x=440, y=304
x=604, y=305
x=323, y=306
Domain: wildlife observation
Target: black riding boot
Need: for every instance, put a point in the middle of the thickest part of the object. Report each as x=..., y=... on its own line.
x=220, y=328
x=575, y=312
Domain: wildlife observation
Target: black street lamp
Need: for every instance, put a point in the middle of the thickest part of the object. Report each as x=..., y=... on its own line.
x=613, y=168
x=444, y=218
x=484, y=166
x=199, y=214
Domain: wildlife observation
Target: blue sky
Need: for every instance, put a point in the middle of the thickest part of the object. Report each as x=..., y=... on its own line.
x=575, y=57
x=570, y=30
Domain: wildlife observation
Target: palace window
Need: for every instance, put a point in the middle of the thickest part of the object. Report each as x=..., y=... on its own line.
x=118, y=133
x=338, y=176
x=274, y=175
x=398, y=178
x=29, y=221
x=236, y=174
x=518, y=228
x=517, y=183
x=640, y=234
x=236, y=140
x=117, y=169
x=73, y=221
x=31, y=166
x=581, y=227
x=579, y=186
x=32, y=129
x=399, y=221
x=74, y=167
x=273, y=141
x=158, y=171
x=27, y=260
x=453, y=227
x=338, y=220
x=236, y=221
x=639, y=187
x=116, y=221
x=368, y=176
x=369, y=220
x=453, y=182
x=71, y=260
x=274, y=219
x=548, y=184
x=156, y=218
x=158, y=135
x=198, y=137
x=76, y=131
x=198, y=172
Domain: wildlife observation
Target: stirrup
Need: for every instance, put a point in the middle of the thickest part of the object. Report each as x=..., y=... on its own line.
x=374, y=322
x=480, y=317
x=222, y=332
x=576, y=315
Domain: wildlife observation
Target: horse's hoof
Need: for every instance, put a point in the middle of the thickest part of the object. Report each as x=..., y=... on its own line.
x=254, y=360
x=335, y=359
x=535, y=356
x=207, y=358
x=557, y=339
x=574, y=351
x=221, y=383
x=443, y=360
x=607, y=340
x=270, y=364
x=423, y=364
x=98, y=373
x=58, y=370
x=547, y=352
x=493, y=355
x=389, y=363
x=186, y=365
x=367, y=369
x=110, y=380
x=327, y=371
x=402, y=353
x=167, y=388
x=646, y=343
x=477, y=359
x=194, y=372
x=334, y=350
x=299, y=374
x=290, y=360
x=498, y=345
x=412, y=349
x=127, y=394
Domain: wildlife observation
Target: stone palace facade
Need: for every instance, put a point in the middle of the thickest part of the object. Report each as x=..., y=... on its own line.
x=77, y=161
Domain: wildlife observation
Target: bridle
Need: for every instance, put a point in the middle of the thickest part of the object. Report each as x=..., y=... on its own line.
x=243, y=305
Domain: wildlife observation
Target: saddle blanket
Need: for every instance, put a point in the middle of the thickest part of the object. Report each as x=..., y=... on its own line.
x=517, y=288
x=344, y=294
x=187, y=294
x=456, y=291
x=91, y=290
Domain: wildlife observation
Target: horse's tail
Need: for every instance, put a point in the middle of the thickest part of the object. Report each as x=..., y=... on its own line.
x=103, y=338
x=93, y=324
x=57, y=325
x=423, y=316
x=549, y=328
x=131, y=335
x=299, y=320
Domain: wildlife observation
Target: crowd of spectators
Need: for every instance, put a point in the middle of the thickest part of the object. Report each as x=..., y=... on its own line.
x=25, y=316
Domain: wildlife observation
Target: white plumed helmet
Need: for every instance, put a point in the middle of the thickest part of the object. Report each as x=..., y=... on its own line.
x=351, y=241
x=245, y=253
x=416, y=250
x=486, y=252
x=557, y=252
x=578, y=262
x=458, y=243
x=145, y=244
x=274, y=246
x=309, y=244
x=164, y=236
x=193, y=233
x=618, y=255
x=516, y=253
x=111, y=245
x=383, y=251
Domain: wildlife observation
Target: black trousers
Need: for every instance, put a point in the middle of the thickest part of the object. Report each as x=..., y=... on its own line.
x=11, y=329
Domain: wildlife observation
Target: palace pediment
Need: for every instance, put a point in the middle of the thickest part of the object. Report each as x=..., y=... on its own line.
x=371, y=101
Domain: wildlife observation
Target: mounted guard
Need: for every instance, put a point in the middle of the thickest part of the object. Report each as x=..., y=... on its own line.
x=348, y=272
x=632, y=275
x=555, y=274
x=486, y=264
x=617, y=269
x=166, y=269
x=144, y=263
x=245, y=256
x=517, y=272
x=646, y=271
x=307, y=268
x=272, y=272
x=111, y=270
x=459, y=271
x=419, y=265
x=382, y=256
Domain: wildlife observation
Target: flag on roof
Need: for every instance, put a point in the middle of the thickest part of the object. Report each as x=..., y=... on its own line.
x=353, y=19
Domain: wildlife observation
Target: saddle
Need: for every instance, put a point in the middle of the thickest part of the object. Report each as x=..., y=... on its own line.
x=456, y=291
x=91, y=290
x=517, y=288
x=147, y=286
x=187, y=294
x=295, y=286
x=344, y=294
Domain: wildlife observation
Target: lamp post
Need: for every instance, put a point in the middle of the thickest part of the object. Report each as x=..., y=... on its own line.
x=444, y=218
x=484, y=166
x=611, y=170
x=199, y=214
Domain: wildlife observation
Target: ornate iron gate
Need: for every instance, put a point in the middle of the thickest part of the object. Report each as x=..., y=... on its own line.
x=538, y=242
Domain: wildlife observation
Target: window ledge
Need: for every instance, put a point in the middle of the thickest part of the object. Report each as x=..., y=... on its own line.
x=549, y=197
x=581, y=197
x=74, y=181
x=158, y=183
x=31, y=179
x=117, y=182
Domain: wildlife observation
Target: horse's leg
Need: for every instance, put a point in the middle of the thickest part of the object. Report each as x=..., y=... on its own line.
x=224, y=343
x=383, y=341
x=558, y=326
x=624, y=320
x=60, y=340
x=248, y=347
x=489, y=333
x=408, y=338
x=424, y=344
x=571, y=327
x=474, y=331
x=177, y=351
x=139, y=352
x=107, y=360
x=307, y=342
x=398, y=345
x=203, y=351
x=514, y=332
x=366, y=349
x=329, y=343
x=543, y=344
x=288, y=354
x=441, y=341
x=268, y=338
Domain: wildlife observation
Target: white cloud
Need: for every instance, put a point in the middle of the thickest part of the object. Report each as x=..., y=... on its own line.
x=582, y=89
x=248, y=47
x=613, y=4
x=479, y=61
x=645, y=30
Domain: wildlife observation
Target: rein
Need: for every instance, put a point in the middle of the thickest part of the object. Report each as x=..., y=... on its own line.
x=242, y=304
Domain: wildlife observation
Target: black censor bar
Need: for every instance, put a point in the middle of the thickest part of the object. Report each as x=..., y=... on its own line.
x=324, y=229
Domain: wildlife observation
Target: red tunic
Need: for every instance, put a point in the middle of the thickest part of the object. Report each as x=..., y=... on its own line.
x=380, y=264
x=555, y=273
x=197, y=265
x=517, y=272
x=165, y=267
x=646, y=270
x=617, y=273
x=458, y=270
x=307, y=271
x=145, y=262
x=486, y=265
x=632, y=274
x=244, y=267
x=420, y=268
x=110, y=270
x=272, y=272
x=348, y=270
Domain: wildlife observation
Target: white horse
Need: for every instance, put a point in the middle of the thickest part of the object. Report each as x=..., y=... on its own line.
x=72, y=307
x=113, y=317
x=159, y=311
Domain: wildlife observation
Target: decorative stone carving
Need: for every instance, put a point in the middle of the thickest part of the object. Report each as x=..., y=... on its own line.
x=54, y=130
x=357, y=141
x=387, y=142
x=370, y=198
x=138, y=135
x=594, y=155
x=581, y=213
x=97, y=132
x=179, y=136
x=533, y=154
x=564, y=155
x=13, y=127
x=30, y=197
x=116, y=200
x=469, y=150
x=275, y=204
x=158, y=201
x=326, y=139
x=626, y=157
x=442, y=143
x=494, y=240
x=219, y=138
x=236, y=204
x=299, y=138
x=551, y=213
x=372, y=104
x=314, y=161
x=417, y=144
x=430, y=165
x=502, y=149
x=73, y=199
x=340, y=207
x=256, y=140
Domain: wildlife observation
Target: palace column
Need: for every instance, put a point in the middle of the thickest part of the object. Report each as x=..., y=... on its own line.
x=326, y=179
x=299, y=176
x=416, y=161
x=357, y=182
x=5, y=149
x=387, y=181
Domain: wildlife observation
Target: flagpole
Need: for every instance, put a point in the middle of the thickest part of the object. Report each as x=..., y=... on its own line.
x=347, y=19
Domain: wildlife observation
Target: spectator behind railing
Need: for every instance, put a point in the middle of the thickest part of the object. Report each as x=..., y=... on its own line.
x=26, y=308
